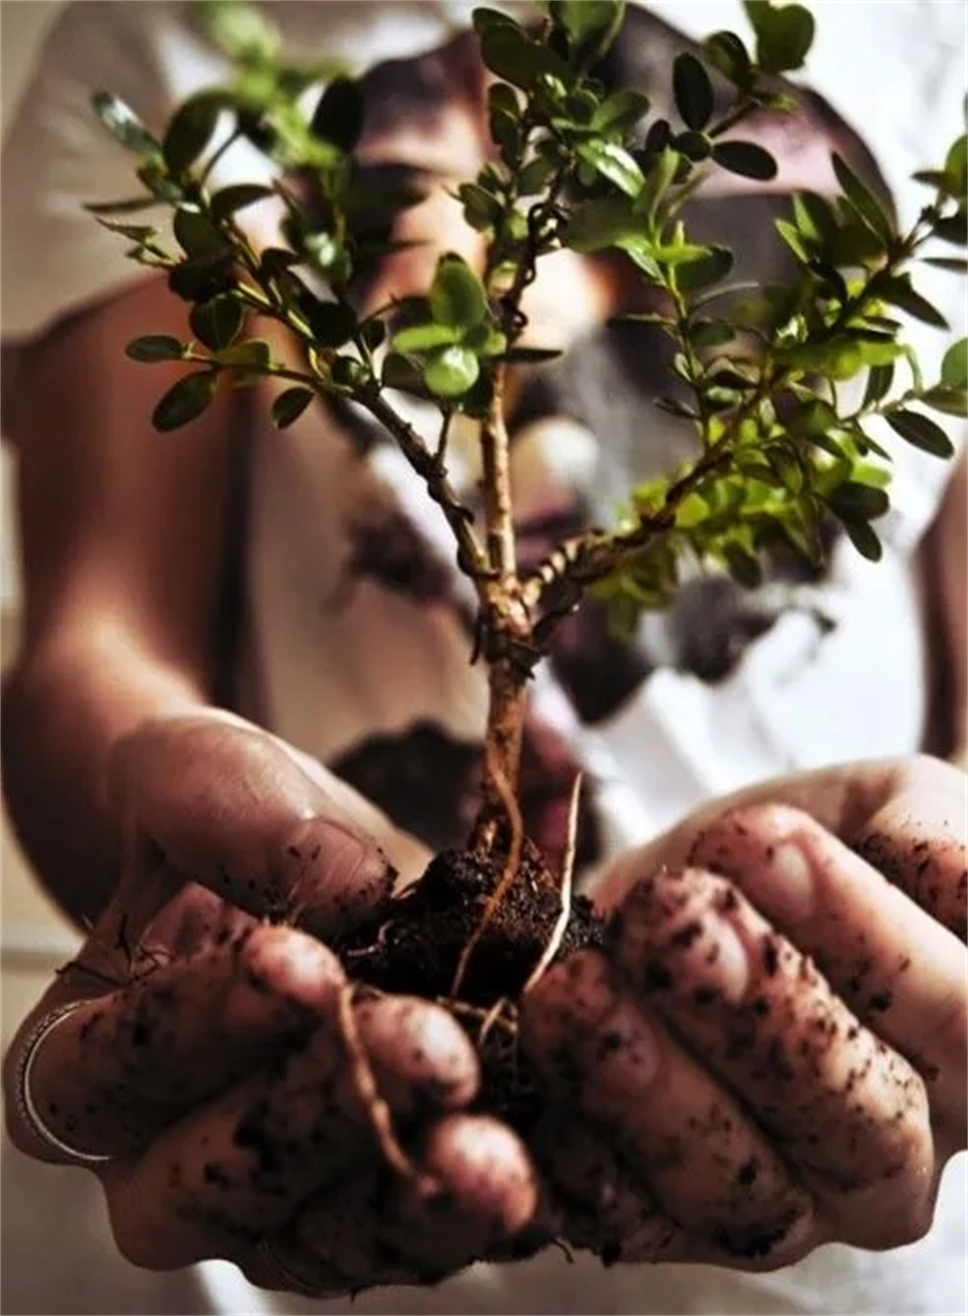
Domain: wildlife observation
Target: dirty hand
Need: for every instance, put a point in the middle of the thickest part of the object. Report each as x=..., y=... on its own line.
x=771, y=1053
x=213, y=1067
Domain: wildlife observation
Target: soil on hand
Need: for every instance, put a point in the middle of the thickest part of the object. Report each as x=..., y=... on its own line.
x=419, y=946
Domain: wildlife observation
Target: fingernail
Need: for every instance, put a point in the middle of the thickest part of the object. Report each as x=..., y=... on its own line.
x=762, y=849
x=786, y=881
x=707, y=953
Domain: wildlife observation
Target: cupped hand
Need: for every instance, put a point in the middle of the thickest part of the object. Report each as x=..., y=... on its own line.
x=249, y=1102
x=771, y=1053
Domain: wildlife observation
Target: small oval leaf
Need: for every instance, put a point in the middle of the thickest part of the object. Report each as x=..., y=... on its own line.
x=155, y=347
x=230, y=199
x=693, y=91
x=746, y=159
x=450, y=372
x=217, y=323
x=289, y=406
x=122, y=122
x=184, y=401
x=190, y=131
x=338, y=118
x=954, y=367
x=457, y=296
x=920, y=431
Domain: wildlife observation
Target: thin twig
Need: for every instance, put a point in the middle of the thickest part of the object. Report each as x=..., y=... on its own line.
x=567, y=872
x=471, y=556
x=511, y=866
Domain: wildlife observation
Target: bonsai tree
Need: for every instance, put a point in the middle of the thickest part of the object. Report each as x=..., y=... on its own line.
x=776, y=386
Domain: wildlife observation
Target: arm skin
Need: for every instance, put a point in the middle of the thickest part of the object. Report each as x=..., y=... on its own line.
x=122, y=534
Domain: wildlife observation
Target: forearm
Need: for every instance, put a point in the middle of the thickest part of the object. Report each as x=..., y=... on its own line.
x=65, y=705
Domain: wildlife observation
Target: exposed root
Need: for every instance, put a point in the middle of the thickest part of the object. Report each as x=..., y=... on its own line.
x=491, y=1018
x=509, y=873
x=567, y=872
x=379, y=1112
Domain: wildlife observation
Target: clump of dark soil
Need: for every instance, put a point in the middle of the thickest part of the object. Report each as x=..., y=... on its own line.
x=419, y=945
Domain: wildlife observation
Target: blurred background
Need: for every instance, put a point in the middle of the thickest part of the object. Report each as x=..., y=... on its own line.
x=34, y=937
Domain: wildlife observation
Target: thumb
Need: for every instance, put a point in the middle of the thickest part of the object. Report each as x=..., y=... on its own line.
x=215, y=800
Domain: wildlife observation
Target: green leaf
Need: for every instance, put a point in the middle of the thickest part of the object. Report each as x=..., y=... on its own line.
x=509, y=53
x=954, y=367
x=614, y=163
x=338, y=118
x=953, y=229
x=451, y=371
x=659, y=179
x=155, y=347
x=949, y=401
x=535, y=175
x=953, y=264
x=185, y=400
x=746, y=159
x=197, y=236
x=956, y=169
x=457, y=296
x=879, y=381
x=190, y=131
x=920, y=431
x=591, y=25
x=854, y=500
x=230, y=199
x=784, y=35
x=424, y=337
x=217, y=323
x=202, y=279
x=606, y=222
x=254, y=353
x=124, y=125
x=531, y=356
x=900, y=292
x=726, y=52
x=154, y=175
x=239, y=28
x=331, y=323
x=289, y=406
x=127, y=207
x=708, y=270
x=481, y=209
x=692, y=90
x=710, y=333
x=398, y=372
x=620, y=112
x=868, y=206
x=863, y=538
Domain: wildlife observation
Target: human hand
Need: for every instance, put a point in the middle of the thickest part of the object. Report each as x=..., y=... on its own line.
x=772, y=1053
x=233, y=1094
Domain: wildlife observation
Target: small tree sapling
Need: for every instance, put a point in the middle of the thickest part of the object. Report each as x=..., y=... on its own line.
x=776, y=385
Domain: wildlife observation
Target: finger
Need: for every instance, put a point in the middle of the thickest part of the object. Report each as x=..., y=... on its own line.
x=602, y=1205
x=123, y=1066
x=480, y=1190
x=226, y=806
x=844, y=799
x=705, y=1163
x=848, y=1112
x=894, y=964
x=238, y=1169
x=918, y=841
